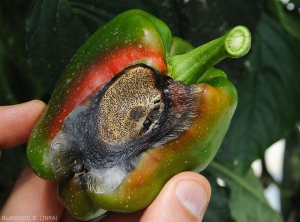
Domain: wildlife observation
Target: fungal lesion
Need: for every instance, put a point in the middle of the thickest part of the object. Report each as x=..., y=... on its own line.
x=130, y=107
x=77, y=175
x=64, y=157
x=136, y=113
x=138, y=110
x=152, y=118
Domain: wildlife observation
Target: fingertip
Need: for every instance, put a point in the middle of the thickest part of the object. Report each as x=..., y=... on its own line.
x=17, y=122
x=185, y=197
x=36, y=104
x=196, y=177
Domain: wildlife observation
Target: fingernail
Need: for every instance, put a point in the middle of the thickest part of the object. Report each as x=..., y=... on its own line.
x=192, y=196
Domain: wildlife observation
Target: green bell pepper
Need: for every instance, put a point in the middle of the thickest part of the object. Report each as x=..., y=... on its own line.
x=134, y=107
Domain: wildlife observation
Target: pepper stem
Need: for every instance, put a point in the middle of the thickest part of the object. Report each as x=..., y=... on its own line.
x=189, y=67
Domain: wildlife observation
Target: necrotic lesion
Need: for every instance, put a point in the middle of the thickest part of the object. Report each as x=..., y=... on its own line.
x=131, y=114
x=129, y=106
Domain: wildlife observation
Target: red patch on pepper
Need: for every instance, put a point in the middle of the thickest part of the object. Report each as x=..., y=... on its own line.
x=100, y=74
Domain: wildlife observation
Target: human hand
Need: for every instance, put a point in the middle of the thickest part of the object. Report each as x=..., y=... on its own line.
x=183, y=198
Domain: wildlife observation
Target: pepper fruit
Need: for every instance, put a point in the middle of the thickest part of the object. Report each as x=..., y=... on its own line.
x=134, y=107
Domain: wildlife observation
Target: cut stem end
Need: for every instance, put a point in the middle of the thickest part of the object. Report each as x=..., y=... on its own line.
x=190, y=67
x=238, y=42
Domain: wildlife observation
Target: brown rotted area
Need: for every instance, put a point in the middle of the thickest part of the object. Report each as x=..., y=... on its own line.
x=130, y=106
x=137, y=113
x=139, y=109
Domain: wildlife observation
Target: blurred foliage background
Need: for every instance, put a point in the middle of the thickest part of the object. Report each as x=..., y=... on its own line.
x=17, y=83
x=38, y=38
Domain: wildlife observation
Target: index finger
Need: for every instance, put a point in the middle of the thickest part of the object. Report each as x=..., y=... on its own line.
x=17, y=122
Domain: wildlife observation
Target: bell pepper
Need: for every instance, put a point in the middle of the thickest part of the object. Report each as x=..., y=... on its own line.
x=134, y=107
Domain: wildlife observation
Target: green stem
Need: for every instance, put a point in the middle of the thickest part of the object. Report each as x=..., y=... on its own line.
x=189, y=67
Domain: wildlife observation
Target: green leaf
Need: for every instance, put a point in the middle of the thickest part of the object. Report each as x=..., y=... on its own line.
x=288, y=17
x=218, y=209
x=247, y=202
x=56, y=29
x=269, y=95
x=202, y=21
x=17, y=82
x=7, y=96
x=290, y=192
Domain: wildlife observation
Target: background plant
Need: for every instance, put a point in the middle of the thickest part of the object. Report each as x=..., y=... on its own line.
x=267, y=80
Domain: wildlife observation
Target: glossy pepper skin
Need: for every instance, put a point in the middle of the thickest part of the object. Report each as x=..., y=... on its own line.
x=134, y=107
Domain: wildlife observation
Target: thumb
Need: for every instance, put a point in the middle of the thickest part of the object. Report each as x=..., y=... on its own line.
x=184, y=198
